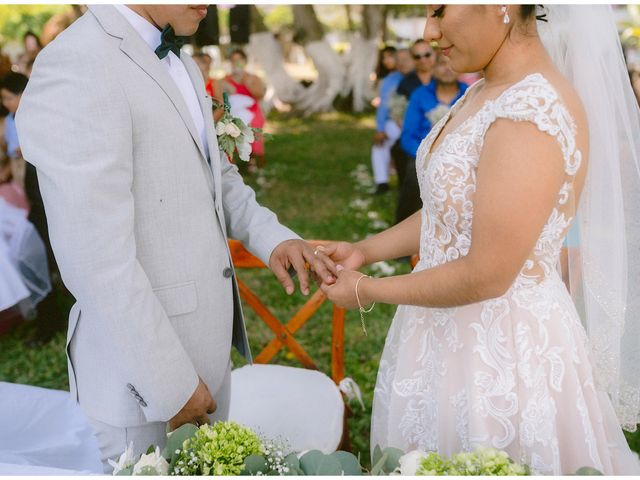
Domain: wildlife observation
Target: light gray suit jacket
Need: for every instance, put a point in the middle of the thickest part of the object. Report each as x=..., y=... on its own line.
x=138, y=221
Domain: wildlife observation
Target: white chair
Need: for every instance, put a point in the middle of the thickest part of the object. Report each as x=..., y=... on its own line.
x=43, y=431
x=303, y=406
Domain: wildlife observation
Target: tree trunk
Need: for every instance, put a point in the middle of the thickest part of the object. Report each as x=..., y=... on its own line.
x=257, y=22
x=350, y=26
x=385, y=28
x=364, y=56
x=372, y=21
x=308, y=27
x=330, y=67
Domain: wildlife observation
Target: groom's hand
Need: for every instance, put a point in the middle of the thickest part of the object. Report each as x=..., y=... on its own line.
x=298, y=254
x=196, y=409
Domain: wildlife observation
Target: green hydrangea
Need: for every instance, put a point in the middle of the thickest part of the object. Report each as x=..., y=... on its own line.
x=218, y=449
x=433, y=464
x=483, y=461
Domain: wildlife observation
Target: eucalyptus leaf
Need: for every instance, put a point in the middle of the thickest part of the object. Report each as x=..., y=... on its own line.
x=309, y=461
x=295, y=472
x=329, y=466
x=588, y=471
x=292, y=461
x=317, y=463
x=349, y=463
x=254, y=464
x=176, y=440
x=393, y=459
x=378, y=467
x=377, y=455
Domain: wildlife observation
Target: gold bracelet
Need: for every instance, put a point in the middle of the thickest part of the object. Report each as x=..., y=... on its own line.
x=361, y=308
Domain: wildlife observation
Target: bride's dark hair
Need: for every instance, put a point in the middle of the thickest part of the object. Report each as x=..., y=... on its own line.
x=527, y=11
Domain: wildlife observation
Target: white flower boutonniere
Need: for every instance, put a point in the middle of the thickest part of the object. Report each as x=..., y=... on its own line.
x=234, y=136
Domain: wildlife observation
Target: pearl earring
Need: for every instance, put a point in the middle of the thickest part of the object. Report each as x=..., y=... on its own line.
x=506, y=18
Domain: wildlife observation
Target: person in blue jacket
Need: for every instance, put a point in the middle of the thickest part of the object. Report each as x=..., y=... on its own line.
x=427, y=105
x=387, y=130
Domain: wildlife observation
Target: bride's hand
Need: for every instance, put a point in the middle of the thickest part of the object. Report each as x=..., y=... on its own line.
x=346, y=254
x=343, y=291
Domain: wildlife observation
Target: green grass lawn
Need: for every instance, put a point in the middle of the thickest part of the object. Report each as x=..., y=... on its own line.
x=316, y=180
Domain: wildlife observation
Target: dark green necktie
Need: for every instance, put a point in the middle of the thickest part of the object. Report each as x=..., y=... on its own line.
x=169, y=42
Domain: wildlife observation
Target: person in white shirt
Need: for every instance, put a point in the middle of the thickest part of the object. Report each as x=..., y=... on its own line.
x=140, y=205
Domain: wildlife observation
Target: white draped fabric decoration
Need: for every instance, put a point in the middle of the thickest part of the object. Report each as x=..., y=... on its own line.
x=23, y=248
x=584, y=45
x=44, y=432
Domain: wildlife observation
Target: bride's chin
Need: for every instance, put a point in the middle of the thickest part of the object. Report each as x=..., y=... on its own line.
x=458, y=65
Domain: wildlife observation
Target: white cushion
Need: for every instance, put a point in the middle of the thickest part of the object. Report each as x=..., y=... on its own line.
x=303, y=407
x=44, y=428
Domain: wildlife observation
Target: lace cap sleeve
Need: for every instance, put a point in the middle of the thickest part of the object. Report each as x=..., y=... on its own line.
x=535, y=100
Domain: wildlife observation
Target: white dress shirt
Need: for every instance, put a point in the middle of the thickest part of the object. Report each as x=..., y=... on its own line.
x=151, y=35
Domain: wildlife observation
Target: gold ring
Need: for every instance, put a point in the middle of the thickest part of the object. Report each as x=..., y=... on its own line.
x=319, y=248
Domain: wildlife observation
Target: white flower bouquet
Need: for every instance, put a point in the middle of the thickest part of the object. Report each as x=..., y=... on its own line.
x=397, y=107
x=235, y=136
x=437, y=113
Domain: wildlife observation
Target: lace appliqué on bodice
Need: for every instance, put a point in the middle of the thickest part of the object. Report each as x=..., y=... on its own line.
x=447, y=176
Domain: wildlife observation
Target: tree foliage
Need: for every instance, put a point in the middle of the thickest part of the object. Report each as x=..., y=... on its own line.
x=16, y=20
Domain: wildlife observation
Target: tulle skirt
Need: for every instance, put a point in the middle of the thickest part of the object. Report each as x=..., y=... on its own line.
x=511, y=373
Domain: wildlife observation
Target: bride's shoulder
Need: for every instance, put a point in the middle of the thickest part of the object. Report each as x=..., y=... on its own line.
x=547, y=94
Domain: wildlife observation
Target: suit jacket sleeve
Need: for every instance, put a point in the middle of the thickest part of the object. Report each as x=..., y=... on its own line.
x=255, y=226
x=75, y=127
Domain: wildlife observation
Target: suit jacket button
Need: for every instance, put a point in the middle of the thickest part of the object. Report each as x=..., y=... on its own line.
x=227, y=272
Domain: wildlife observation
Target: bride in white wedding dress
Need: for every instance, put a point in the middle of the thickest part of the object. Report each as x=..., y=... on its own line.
x=487, y=347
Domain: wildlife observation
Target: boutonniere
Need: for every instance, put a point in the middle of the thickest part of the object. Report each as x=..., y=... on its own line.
x=233, y=134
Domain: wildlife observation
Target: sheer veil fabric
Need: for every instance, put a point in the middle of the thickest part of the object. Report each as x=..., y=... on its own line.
x=605, y=282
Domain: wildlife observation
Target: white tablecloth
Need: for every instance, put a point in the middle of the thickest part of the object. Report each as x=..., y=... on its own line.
x=43, y=431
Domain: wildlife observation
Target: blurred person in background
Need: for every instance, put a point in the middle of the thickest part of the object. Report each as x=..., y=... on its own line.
x=10, y=191
x=386, y=62
x=387, y=130
x=246, y=91
x=11, y=90
x=5, y=69
x=50, y=317
x=32, y=43
x=24, y=63
x=423, y=58
x=427, y=105
x=424, y=61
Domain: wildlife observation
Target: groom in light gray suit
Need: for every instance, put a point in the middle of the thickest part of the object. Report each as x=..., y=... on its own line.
x=140, y=204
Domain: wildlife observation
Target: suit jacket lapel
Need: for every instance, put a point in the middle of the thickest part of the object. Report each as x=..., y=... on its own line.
x=138, y=51
x=207, y=111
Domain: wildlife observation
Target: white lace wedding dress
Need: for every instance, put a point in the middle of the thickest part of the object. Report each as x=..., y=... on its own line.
x=513, y=372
